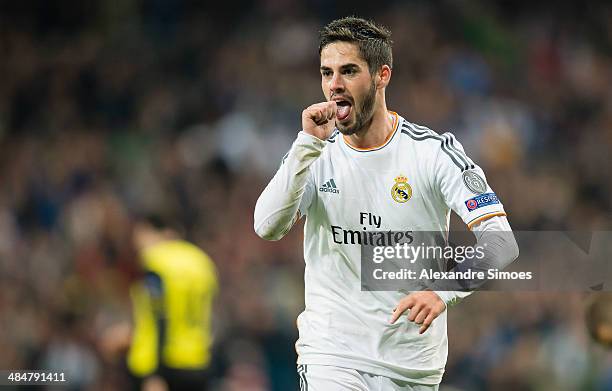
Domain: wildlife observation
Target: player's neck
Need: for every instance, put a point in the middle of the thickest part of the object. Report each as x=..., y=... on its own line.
x=151, y=239
x=374, y=134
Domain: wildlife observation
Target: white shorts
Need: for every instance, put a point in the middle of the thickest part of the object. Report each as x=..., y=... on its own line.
x=330, y=378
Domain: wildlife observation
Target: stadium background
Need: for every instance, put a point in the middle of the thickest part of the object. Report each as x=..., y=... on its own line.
x=107, y=108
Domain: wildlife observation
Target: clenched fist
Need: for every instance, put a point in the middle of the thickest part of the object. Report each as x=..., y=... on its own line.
x=319, y=119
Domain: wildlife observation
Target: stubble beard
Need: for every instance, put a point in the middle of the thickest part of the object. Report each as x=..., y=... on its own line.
x=363, y=114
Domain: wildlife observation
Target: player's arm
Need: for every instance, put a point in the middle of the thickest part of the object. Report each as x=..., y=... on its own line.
x=289, y=191
x=495, y=238
x=464, y=188
x=500, y=250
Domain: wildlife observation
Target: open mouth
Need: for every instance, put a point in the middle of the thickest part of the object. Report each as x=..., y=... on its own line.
x=344, y=109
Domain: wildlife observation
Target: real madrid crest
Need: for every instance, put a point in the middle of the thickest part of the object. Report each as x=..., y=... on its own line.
x=401, y=190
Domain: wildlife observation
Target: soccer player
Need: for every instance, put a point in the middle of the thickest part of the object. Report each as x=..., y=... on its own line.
x=355, y=166
x=170, y=342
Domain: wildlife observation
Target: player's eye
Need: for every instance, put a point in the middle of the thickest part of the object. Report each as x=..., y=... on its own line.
x=326, y=73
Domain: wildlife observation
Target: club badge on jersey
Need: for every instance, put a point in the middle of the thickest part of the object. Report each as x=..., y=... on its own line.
x=401, y=190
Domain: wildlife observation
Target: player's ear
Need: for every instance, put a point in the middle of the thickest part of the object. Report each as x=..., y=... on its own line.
x=383, y=76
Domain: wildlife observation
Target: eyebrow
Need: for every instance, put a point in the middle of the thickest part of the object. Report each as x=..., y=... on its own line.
x=342, y=68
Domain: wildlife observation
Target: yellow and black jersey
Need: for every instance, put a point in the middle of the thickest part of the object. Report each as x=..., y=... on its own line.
x=172, y=307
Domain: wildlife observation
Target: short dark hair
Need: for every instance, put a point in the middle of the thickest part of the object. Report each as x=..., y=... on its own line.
x=373, y=40
x=159, y=221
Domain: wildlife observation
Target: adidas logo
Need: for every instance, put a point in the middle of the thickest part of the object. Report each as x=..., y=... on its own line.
x=329, y=187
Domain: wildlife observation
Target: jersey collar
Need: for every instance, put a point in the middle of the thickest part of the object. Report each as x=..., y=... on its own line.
x=384, y=144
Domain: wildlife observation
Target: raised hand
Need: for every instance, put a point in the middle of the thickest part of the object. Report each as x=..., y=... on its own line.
x=319, y=119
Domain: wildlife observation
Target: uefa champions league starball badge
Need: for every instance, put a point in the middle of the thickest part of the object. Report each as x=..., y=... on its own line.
x=474, y=182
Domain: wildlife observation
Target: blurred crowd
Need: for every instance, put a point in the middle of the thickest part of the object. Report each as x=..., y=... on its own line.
x=109, y=109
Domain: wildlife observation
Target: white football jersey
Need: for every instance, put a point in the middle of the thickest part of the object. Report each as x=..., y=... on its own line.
x=411, y=182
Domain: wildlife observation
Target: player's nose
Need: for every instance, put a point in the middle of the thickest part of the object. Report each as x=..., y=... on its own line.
x=336, y=84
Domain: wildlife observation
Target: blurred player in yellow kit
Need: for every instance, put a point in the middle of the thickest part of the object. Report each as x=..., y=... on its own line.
x=170, y=342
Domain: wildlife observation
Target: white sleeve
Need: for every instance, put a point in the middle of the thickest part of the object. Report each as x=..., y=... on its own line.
x=289, y=191
x=463, y=185
x=500, y=248
x=464, y=188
